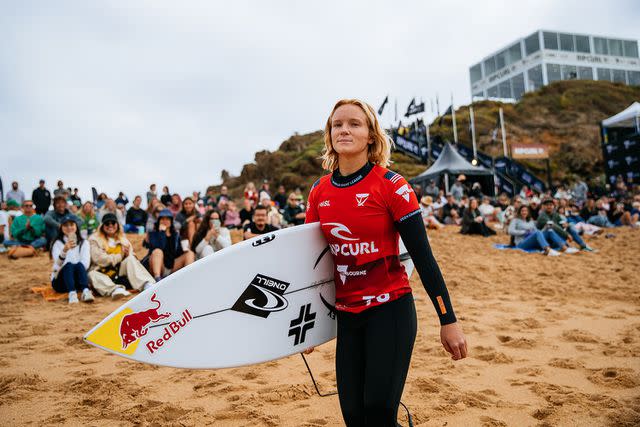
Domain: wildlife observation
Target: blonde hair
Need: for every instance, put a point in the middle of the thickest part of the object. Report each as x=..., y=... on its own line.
x=379, y=152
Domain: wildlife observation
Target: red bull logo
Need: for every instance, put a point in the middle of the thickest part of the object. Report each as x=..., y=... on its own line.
x=169, y=332
x=135, y=325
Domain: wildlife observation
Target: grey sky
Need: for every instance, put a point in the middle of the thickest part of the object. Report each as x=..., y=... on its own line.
x=119, y=94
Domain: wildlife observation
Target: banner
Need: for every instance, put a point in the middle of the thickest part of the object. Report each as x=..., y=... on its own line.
x=408, y=146
x=621, y=153
x=529, y=151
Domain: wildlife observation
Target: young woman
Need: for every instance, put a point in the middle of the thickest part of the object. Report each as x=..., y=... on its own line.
x=89, y=222
x=473, y=222
x=251, y=194
x=113, y=263
x=165, y=199
x=527, y=236
x=166, y=252
x=211, y=236
x=187, y=220
x=362, y=205
x=232, y=217
x=71, y=260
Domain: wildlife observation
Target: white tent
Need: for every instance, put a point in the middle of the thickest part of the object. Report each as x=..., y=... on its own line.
x=627, y=118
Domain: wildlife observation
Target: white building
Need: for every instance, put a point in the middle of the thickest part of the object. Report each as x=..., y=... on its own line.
x=546, y=56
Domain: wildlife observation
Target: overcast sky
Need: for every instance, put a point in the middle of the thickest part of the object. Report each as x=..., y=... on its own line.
x=119, y=94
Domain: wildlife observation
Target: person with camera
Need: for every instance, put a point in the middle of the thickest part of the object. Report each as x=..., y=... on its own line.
x=211, y=236
x=548, y=218
x=71, y=259
x=167, y=253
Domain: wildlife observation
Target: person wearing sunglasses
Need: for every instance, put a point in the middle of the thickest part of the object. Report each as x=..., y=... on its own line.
x=114, y=266
x=28, y=228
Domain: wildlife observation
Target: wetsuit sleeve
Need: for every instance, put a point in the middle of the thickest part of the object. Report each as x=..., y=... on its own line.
x=401, y=199
x=414, y=236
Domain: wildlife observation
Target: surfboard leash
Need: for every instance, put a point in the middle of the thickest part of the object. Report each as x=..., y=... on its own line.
x=409, y=418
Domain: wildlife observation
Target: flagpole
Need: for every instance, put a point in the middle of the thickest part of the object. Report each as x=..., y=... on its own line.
x=428, y=145
x=473, y=133
x=502, y=131
x=437, y=105
x=396, y=110
x=453, y=116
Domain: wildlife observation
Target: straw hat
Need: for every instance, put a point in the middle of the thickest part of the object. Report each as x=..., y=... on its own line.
x=426, y=200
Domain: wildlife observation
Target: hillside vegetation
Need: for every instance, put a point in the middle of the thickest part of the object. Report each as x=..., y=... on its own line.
x=564, y=115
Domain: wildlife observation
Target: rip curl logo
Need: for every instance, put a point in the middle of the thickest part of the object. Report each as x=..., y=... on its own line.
x=361, y=198
x=404, y=191
x=263, y=296
x=338, y=229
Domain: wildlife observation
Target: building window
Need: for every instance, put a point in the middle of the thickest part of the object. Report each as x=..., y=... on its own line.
x=501, y=60
x=618, y=76
x=490, y=66
x=631, y=49
x=550, y=40
x=475, y=73
x=534, y=76
x=517, y=86
x=553, y=73
x=633, y=77
x=582, y=44
x=504, y=89
x=585, y=73
x=478, y=95
x=515, y=53
x=600, y=46
x=615, y=47
x=532, y=44
x=569, y=72
x=566, y=42
x=492, y=92
x=604, y=74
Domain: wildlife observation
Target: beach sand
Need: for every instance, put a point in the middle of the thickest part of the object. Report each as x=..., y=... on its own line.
x=552, y=341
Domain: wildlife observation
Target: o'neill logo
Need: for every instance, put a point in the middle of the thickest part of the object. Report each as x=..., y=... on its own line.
x=361, y=198
x=342, y=232
x=404, y=191
x=343, y=272
x=263, y=296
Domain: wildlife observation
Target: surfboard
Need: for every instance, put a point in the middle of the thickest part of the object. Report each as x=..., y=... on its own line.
x=261, y=299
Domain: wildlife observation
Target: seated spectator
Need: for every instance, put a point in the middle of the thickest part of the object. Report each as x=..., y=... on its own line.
x=27, y=229
x=188, y=219
x=525, y=192
x=264, y=190
x=259, y=224
x=534, y=207
x=281, y=197
x=165, y=199
x=274, y=217
x=451, y=211
x=167, y=253
x=71, y=259
x=53, y=217
x=74, y=207
x=200, y=207
x=211, y=236
x=75, y=197
x=549, y=218
x=526, y=235
x=88, y=220
x=122, y=199
x=100, y=201
x=562, y=193
x=60, y=190
x=246, y=213
x=114, y=266
x=153, y=211
x=428, y=214
x=136, y=217
x=224, y=195
x=472, y=221
x=111, y=207
x=5, y=234
x=572, y=214
x=176, y=204
x=619, y=216
x=293, y=213
x=251, y=194
x=13, y=210
x=487, y=210
x=589, y=209
x=232, y=217
x=151, y=193
x=476, y=191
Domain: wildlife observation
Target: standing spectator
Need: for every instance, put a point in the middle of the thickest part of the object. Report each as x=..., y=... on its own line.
x=259, y=223
x=251, y=194
x=166, y=196
x=224, y=195
x=176, y=204
x=472, y=221
x=232, y=216
x=74, y=197
x=52, y=218
x=136, y=217
x=151, y=193
x=42, y=198
x=113, y=263
x=451, y=211
x=15, y=193
x=71, y=259
x=60, y=190
x=457, y=189
x=549, y=218
x=281, y=197
x=293, y=212
x=27, y=229
x=246, y=213
x=476, y=191
x=122, y=199
x=432, y=190
x=187, y=219
x=102, y=199
x=211, y=236
x=166, y=252
x=88, y=220
x=111, y=207
x=580, y=192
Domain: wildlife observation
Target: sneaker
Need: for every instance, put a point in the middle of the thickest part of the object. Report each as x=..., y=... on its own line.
x=588, y=249
x=571, y=250
x=73, y=298
x=119, y=293
x=147, y=285
x=87, y=296
x=553, y=252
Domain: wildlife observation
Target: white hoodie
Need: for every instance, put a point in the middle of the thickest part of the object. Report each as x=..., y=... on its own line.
x=78, y=254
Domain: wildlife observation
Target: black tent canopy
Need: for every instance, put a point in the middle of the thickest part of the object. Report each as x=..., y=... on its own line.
x=449, y=165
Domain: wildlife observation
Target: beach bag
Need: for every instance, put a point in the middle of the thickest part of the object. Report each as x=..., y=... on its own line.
x=22, y=251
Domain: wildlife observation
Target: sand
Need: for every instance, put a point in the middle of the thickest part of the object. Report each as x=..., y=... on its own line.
x=553, y=341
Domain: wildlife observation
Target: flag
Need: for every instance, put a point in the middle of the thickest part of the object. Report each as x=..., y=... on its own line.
x=414, y=108
x=384, y=103
x=94, y=193
x=446, y=113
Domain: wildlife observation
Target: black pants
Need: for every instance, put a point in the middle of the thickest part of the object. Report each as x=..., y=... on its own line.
x=372, y=359
x=72, y=277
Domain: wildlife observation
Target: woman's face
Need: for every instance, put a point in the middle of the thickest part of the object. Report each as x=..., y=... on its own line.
x=69, y=227
x=175, y=199
x=349, y=130
x=524, y=213
x=473, y=204
x=188, y=206
x=165, y=221
x=110, y=228
x=87, y=208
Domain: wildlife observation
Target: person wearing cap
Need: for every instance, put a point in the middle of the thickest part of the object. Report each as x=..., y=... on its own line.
x=15, y=193
x=167, y=253
x=71, y=260
x=53, y=217
x=549, y=218
x=113, y=262
x=293, y=213
x=122, y=199
x=27, y=229
x=42, y=198
x=274, y=217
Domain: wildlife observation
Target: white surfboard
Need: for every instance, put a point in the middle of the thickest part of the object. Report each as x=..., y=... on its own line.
x=258, y=300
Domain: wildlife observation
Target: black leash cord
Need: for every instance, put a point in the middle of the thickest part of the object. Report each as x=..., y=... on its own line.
x=335, y=392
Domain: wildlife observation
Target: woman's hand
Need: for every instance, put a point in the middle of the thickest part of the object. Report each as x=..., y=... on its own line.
x=453, y=340
x=69, y=245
